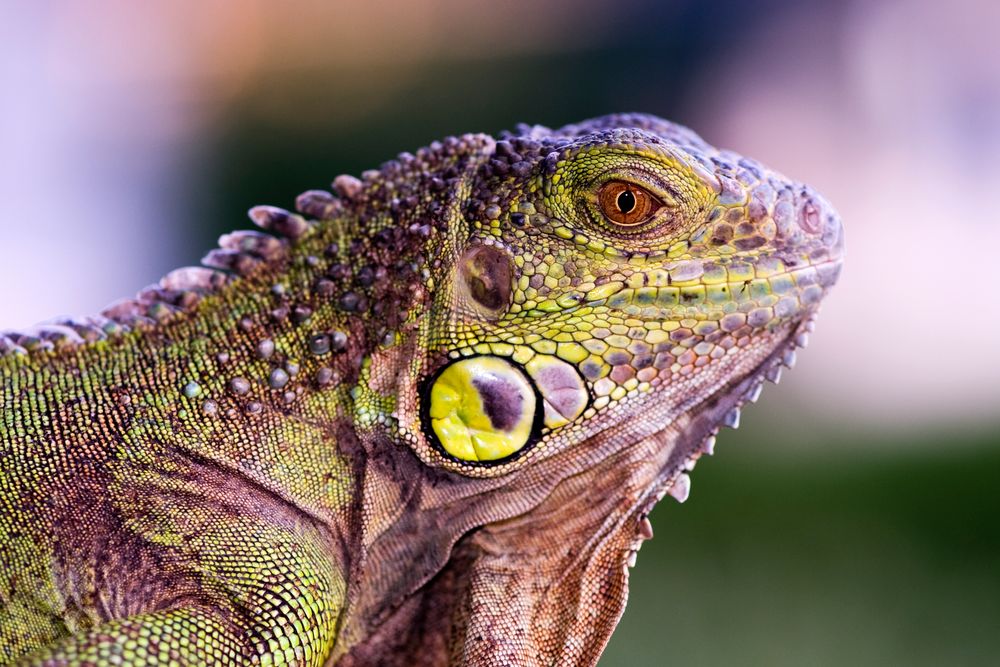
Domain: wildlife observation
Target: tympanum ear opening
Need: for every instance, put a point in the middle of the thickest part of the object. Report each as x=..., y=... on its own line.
x=486, y=275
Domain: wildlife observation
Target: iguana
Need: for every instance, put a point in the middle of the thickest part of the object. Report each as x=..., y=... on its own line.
x=420, y=422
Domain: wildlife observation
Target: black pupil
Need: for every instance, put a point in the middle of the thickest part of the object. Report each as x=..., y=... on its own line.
x=626, y=201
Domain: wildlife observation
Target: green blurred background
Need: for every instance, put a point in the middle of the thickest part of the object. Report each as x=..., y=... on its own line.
x=853, y=519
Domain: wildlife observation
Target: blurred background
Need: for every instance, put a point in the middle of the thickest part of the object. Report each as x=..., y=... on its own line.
x=855, y=517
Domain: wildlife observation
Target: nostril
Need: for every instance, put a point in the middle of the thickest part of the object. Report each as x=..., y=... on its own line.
x=809, y=216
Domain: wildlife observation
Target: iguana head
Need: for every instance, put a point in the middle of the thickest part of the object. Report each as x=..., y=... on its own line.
x=610, y=277
x=606, y=296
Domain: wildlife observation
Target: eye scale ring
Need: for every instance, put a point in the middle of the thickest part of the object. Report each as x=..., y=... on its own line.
x=481, y=409
x=626, y=204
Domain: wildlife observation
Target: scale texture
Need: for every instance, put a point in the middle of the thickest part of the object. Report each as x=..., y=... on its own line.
x=420, y=421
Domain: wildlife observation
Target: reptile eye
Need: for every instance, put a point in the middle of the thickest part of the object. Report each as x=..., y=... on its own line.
x=627, y=205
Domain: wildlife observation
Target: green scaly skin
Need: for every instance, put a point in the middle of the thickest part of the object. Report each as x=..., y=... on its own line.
x=240, y=466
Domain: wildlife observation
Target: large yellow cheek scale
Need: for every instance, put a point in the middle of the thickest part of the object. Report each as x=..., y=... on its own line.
x=482, y=409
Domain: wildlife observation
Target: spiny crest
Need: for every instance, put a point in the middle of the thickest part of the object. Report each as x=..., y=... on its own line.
x=651, y=125
x=533, y=139
x=395, y=187
x=239, y=254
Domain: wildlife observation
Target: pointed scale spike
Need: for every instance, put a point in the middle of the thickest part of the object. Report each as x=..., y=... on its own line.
x=239, y=263
x=774, y=373
x=681, y=488
x=9, y=348
x=802, y=339
x=254, y=243
x=709, y=445
x=347, y=186
x=732, y=418
x=32, y=343
x=151, y=294
x=645, y=528
x=58, y=334
x=198, y=278
x=318, y=204
x=279, y=221
x=754, y=394
x=88, y=329
x=788, y=358
x=127, y=312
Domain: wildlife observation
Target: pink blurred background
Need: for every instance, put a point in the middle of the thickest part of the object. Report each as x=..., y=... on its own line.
x=133, y=134
x=891, y=108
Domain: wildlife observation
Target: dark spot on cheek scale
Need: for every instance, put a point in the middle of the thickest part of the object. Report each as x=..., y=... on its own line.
x=502, y=402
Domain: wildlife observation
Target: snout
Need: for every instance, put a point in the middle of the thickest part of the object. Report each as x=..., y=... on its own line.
x=808, y=225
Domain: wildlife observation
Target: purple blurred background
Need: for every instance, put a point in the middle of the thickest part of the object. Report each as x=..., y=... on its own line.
x=891, y=108
x=132, y=134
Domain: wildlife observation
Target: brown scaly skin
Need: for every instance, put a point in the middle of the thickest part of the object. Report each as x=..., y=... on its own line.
x=270, y=462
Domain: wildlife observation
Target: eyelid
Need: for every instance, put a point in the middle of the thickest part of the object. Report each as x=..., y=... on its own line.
x=663, y=193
